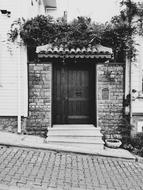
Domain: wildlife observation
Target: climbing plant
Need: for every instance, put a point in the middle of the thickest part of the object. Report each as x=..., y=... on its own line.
x=44, y=29
x=118, y=33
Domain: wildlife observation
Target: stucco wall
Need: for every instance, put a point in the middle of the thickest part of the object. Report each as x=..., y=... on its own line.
x=110, y=92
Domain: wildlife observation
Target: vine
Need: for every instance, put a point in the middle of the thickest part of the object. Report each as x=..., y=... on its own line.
x=118, y=33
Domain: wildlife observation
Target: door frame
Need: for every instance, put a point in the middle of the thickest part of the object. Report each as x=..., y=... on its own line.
x=93, y=88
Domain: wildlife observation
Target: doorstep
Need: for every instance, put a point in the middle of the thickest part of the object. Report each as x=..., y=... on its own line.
x=36, y=142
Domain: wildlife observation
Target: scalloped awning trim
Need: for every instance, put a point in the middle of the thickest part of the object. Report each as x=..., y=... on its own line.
x=51, y=51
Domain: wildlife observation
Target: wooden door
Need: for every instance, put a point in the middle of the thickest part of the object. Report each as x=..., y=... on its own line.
x=72, y=94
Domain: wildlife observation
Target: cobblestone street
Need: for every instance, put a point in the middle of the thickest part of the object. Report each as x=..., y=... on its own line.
x=38, y=169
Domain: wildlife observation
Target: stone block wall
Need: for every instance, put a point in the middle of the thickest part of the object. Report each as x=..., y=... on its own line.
x=110, y=95
x=110, y=88
x=39, y=110
x=9, y=124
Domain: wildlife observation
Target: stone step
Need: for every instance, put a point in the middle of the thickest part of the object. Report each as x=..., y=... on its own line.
x=75, y=137
x=74, y=141
x=72, y=146
x=74, y=129
x=66, y=126
x=75, y=133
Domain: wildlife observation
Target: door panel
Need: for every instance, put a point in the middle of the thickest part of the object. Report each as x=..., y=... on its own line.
x=58, y=97
x=78, y=95
x=71, y=94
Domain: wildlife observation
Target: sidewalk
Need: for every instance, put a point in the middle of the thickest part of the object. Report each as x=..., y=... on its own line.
x=33, y=169
x=30, y=141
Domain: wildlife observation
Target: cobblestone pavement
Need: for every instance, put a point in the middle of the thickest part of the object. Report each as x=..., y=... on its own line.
x=38, y=169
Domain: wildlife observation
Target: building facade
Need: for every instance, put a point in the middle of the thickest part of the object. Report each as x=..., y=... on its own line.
x=86, y=87
x=13, y=61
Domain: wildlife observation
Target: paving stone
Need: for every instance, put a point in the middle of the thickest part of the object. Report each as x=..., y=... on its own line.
x=28, y=168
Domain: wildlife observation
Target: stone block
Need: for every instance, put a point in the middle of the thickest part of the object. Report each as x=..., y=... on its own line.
x=110, y=111
x=39, y=98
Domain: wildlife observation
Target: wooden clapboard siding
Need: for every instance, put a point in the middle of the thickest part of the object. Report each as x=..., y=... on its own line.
x=9, y=60
x=9, y=82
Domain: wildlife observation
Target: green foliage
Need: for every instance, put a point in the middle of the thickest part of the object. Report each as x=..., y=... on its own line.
x=135, y=144
x=137, y=141
x=38, y=31
x=16, y=28
x=43, y=30
x=80, y=32
x=118, y=33
x=115, y=37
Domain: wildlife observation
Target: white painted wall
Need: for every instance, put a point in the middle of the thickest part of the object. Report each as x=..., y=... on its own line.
x=98, y=10
x=8, y=71
x=11, y=55
x=23, y=8
x=137, y=74
x=10, y=60
x=137, y=66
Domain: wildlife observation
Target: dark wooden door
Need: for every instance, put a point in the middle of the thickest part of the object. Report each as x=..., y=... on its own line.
x=72, y=94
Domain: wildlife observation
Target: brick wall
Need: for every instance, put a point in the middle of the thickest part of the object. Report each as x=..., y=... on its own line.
x=110, y=87
x=39, y=117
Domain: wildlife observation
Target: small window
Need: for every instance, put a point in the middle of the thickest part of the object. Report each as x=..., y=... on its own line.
x=50, y=10
x=50, y=4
